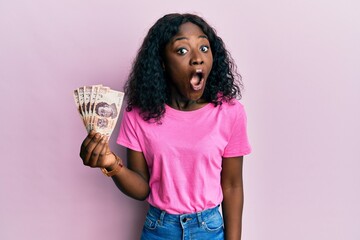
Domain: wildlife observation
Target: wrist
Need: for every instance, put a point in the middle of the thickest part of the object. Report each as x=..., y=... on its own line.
x=115, y=161
x=114, y=168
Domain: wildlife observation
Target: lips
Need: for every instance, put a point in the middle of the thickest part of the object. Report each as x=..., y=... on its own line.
x=197, y=80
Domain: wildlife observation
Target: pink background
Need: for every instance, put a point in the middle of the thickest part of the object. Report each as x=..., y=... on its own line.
x=300, y=63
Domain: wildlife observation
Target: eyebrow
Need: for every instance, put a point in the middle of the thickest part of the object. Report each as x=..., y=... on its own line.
x=182, y=38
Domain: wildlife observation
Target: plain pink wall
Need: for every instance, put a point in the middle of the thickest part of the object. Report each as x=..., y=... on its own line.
x=300, y=63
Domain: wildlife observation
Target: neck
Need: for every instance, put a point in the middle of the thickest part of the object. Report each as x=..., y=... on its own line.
x=186, y=105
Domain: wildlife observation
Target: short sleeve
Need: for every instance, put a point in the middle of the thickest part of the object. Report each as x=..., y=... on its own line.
x=127, y=134
x=238, y=144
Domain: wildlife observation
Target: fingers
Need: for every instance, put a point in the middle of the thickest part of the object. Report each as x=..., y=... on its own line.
x=93, y=148
x=88, y=139
x=99, y=153
x=88, y=145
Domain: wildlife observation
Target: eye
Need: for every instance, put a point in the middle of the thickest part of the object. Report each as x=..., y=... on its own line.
x=182, y=51
x=204, y=48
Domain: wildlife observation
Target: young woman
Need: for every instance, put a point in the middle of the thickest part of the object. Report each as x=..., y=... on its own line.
x=184, y=131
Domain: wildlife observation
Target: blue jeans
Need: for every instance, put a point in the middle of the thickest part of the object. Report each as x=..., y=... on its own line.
x=203, y=225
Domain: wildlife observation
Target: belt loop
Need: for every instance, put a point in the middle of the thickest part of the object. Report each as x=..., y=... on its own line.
x=199, y=217
x=161, y=218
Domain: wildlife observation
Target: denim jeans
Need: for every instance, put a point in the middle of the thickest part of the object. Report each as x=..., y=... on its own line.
x=203, y=225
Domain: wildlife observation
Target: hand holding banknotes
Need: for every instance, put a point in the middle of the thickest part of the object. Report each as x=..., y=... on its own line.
x=99, y=108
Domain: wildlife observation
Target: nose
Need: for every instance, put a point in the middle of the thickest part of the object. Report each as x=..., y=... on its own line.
x=196, y=59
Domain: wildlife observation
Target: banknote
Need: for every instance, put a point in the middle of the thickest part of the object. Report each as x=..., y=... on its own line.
x=99, y=107
x=81, y=100
x=94, y=91
x=76, y=98
x=87, y=94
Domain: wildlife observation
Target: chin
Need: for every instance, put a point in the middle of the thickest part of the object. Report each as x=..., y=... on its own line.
x=197, y=96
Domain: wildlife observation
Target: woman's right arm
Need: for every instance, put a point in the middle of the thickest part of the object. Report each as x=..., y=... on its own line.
x=132, y=180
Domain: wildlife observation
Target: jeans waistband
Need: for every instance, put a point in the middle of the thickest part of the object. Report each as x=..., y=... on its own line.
x=188, y=217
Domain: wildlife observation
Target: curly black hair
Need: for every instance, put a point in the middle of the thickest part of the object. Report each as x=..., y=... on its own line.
x=146, y=87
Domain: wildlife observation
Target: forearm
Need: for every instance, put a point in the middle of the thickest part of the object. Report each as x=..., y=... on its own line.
x=132, y=184
x=232, y=207
x=133, y=181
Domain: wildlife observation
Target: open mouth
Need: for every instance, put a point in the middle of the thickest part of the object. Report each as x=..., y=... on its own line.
x=197, y=80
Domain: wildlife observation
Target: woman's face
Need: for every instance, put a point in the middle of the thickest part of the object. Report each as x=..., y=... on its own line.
x=188, y=61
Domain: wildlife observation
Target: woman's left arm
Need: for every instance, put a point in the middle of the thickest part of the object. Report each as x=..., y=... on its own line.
x=232, y=205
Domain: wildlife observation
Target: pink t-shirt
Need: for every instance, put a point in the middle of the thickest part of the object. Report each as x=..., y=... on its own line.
x=184, y=153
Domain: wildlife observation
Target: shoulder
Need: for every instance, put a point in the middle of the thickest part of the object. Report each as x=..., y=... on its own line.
x=132, y=112
x=231, y=112
x=130, y=117
x=232, y=107
x=136, y=118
